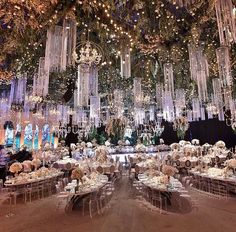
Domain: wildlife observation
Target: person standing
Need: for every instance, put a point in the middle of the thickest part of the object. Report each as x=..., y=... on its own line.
x=4, y=159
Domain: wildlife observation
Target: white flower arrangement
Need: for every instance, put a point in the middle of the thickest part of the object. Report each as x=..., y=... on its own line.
x=182, y=143
x=107, y=144
x=220, y=144
x=174, y=146
x=89, y=145
x=36, y=162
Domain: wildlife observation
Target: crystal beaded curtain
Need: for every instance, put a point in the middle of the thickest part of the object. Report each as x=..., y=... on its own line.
x=179, y=101
x=118, y=103
x=83, y=85
x=125, y=62
x=53, y=48
x=68, y=43
x=196, y=109
x=40, y=86
x=169, y=78
x=224, y=66
x=137, y=90
x=159, y=93
x=217, y=97
x=93, y=81
x=199, y=70
x=168, y=106
x=94, y=113
x=226, y=21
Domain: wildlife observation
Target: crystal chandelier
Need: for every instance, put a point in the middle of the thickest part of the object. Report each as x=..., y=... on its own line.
x=89, y=54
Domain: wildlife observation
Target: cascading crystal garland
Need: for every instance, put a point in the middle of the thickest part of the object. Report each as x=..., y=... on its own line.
x=199, y=70
x=226, y=22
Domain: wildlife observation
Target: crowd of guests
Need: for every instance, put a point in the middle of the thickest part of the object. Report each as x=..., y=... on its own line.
x=7, y=158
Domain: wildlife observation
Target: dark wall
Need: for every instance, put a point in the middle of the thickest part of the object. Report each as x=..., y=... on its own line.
x=208, y=131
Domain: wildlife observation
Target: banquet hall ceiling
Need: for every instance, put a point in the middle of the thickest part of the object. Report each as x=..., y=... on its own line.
x=157, y=31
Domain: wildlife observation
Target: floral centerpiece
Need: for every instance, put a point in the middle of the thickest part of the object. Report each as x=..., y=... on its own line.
x=220, y=144
x=181, y=125
x=27, y=165
x=169, y=171
x=174, y=146
x=16, y=168
x=77, y=174
x=36, y=163
x=101, y=154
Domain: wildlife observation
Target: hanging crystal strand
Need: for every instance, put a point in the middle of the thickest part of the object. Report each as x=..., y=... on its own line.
x=179, y=101
x=225, y=75
x=226, y=21
x=152, y=113
x=137, y=90
x=168, y=106
x=139, y=116
x=118, y=103
x=199, y=70
x=52, y=54
x=217, y=98
x=169, y=78
x=125, y=62
x=159, y=93
x=223, y=60
x=196, y=109
x=83, y=85
x=68, y=42
x=190, y=115
x=93, y=81
x=94, y=113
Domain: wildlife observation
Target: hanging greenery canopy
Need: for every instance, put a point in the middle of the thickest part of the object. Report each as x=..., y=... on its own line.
x=157, y=31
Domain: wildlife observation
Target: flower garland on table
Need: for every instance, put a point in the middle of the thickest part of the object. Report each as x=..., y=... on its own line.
x=181, y=125
x=15, y=168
